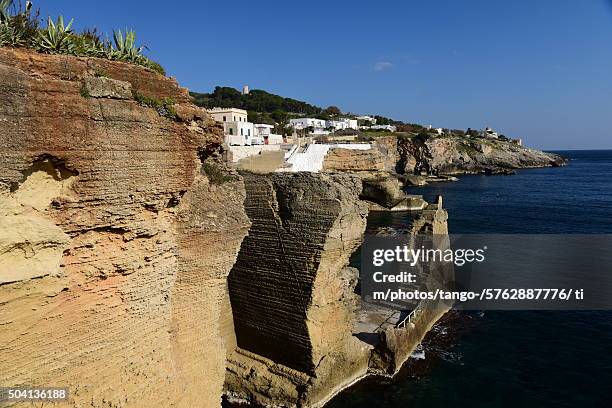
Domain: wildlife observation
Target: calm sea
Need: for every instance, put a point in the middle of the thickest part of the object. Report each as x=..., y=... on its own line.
x=512, y=359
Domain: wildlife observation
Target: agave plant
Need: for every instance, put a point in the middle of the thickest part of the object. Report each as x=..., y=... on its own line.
x=56, y=38
x=20, y=29
x=4, y=10
x=125, y=46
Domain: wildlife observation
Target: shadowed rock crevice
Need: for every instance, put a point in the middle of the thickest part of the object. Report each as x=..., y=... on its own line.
x=271, y=283
x=291, y=293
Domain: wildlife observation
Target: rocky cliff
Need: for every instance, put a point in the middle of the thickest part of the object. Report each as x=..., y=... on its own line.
x=353, y=160
x=292, y=295
x=459, y=155
x=114, y=244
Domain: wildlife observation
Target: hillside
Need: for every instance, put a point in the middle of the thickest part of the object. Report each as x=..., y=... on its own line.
x=265, y=107
x=256, y=101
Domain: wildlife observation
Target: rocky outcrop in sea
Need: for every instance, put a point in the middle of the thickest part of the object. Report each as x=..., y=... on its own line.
x=448, y=155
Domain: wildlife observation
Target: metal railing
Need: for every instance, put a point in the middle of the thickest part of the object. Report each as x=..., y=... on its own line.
x=412, y=315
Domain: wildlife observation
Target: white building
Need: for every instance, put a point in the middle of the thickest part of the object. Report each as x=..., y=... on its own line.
x=318, y=126
x=237, y=129
x=390, y=128
x=228, y=114
x=240, y=134
x=264, y=132
x=367, y=118
x=303, y=123
x=488, y=132
x=342, y=124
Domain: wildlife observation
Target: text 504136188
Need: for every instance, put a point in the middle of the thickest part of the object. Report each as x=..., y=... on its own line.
x=8, y=394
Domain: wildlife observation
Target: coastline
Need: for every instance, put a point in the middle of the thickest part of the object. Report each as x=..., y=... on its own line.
x=508, y=349
x=314, y=224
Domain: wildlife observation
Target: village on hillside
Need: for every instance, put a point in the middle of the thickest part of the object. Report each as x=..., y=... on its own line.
x=305, y=141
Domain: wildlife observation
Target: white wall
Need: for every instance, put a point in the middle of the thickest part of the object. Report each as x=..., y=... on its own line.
x=342, y=124
x=262, y=129
x=301, y=123
x=244, y=130
x=241, y=152
x=312, y=158
x=230, y=115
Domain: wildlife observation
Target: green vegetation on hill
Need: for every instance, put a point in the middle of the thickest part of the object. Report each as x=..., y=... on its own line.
x=20, y=27
x=264, y=107
x=256, y=101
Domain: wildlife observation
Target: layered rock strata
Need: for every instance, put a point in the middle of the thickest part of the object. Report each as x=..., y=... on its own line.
x=292, y=295
x=114, y=245
x=352, y=160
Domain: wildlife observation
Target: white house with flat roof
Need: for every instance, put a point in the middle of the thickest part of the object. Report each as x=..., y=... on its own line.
x=342, y=124
x=303, y=123
x=367, y=118
x=228, y=114
x=240, y=134
x=318, y=126
x=264, y=132
x=390, y=128
x=237, y=129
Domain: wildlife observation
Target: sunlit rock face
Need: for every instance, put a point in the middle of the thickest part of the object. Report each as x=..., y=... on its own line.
x=114, y=246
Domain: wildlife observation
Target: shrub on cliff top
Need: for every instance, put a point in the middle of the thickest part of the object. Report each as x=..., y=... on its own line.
x=21, y=29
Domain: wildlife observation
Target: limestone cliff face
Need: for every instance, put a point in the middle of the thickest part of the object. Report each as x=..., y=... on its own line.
x=459, y=155
x=353, y=160
x=292, y=296
x=438, y=156
x=114, y=245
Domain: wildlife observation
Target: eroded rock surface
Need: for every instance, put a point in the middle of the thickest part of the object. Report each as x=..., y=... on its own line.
x=114, y=245
x=102, y=87
x=353, y=160
x=292, y=295
x=459, y=155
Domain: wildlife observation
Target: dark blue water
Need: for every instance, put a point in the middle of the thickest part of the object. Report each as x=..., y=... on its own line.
x=514, y=359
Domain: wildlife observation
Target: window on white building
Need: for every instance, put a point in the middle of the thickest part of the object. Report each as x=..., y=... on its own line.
x=231, y=131
x=224, y=118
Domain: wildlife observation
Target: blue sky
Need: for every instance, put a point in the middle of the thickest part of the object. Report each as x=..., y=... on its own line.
x=540, y=70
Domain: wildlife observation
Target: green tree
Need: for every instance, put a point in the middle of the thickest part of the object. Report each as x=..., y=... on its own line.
x=280, y=116
x=332, y=111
